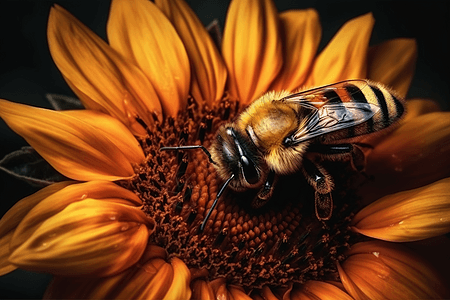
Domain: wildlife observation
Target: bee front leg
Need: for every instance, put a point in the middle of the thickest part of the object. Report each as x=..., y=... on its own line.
x=322, y=182
x=265, y=193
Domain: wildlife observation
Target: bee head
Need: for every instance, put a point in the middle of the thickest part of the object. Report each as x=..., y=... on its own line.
x=236, y=154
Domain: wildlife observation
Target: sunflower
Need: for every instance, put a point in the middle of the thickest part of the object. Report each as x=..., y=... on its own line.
x=126, y=223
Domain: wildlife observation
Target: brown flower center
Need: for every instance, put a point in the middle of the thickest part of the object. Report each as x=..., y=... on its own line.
x=281, y=242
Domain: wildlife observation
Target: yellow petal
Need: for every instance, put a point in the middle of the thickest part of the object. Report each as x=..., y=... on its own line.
x=251, y=48
x=102, y=79
x=393, y=63
x=345, y=57
x=413, y=155
x=114, y=130
x=302, y=33
x=408, y=216
x=208, y=70
x=319, y=290
x=418, y=107
x=140, y=31
x=379, y=270
x=202, y=290
x=60, y=199
x=74, y=148
x=89, y=237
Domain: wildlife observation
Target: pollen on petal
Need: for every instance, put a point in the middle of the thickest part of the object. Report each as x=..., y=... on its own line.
x=73, y=147
x=251, y=48
x=208, y=69
x=393, y=63
x=102, y=79
x=381, y=270
x=142, y=33
x=89, y=237
x=345, y=57
x=408, y=216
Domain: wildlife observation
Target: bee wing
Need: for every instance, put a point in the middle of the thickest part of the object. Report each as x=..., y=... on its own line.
x=328, y=112
x=319, y=96
x=333, y=117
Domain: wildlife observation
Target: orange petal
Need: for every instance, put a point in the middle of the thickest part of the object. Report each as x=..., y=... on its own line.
x=219, y=287
x=418, y=107
x=114, y=130
x=435, y=252
x=17, y=213
x=238, y=293
x=318, y=290
x=99, y=75
x=202, y=290
x=251, y=48
x=73, y=147
x=267, y=293
x=60, y=199
x=379, y=270
x=14, y=216
x=140, y=31
x=345, y=57
x=408, y=216
x=150, y=280
x=5, y=265
x=179, y=289
x=208, y=70
x=414, y=155
x=302, y=32
x=393, y=63
x=89, y=237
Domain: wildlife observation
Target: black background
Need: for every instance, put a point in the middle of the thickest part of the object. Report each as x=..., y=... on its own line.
x=27, y=71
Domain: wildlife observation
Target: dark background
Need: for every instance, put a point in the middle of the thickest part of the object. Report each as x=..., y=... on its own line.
x=27, y=71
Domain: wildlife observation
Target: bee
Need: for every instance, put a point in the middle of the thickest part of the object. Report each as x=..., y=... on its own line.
x=283, y=133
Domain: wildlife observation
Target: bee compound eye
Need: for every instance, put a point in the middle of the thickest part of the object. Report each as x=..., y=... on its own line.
x=287, y=141
x=251, y=175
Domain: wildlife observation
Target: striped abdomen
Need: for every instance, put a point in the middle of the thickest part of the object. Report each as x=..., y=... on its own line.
x=363, y=91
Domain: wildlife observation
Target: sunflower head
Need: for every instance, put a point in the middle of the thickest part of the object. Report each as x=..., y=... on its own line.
x=137, y=222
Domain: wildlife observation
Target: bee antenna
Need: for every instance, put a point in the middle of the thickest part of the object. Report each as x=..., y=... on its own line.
x=190, y=148
x=215, y=202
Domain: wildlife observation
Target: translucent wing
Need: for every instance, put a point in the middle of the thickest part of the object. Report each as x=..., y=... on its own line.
x=328, y=112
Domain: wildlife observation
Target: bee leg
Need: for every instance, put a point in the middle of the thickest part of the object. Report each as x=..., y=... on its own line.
x=322, y=182
x=265, y=193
